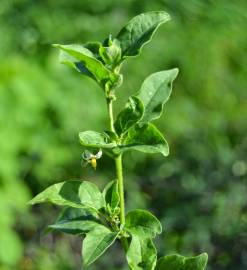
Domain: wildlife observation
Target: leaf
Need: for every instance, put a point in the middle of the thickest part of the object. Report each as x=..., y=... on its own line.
x=72, y=62
x=96, y=243
x=146, y=138
x=142, y=254
x=111, y=194
x=76, y=194
x=95, y=139
x=111, y=54
x=70, y=213
x=139, y=31
x=94, y=47
x=178, y=262
x=75, y=221
x=155, y=92
x=75, y=226
x=130, y=115
x=142, y=223
x=149, y=254
x=83, y=60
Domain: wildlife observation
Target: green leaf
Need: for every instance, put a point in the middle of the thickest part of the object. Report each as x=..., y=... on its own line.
x=155, y=92
x=111, y=194
x=111, y=54
x=70, y=213
x=75, y=226
x=130, y=115
x=76, y=194
x=177, y=262
x=142, y=223
x=94, y=47
x=96, y=243
x=72, y=62
x=75, y=221
x=146, y=138
x=82, y=59
x=139, y=31
x=95, y=139
x=142, y=254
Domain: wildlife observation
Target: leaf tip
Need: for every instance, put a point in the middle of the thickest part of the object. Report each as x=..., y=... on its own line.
x=55, y=45
x=166, y=151
x=32, y=202
x=175, y=72
x=167, y=16
x=205, y=255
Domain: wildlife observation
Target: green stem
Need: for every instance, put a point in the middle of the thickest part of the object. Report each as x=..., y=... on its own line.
x=119, y=171
x=110, y=113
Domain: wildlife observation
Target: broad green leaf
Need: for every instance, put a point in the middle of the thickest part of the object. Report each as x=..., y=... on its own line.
x=72, y=62
x=96, y=243
x=130, y=115
x=75, y=226
x=139, y=31
x=142, y=254
x=76, y=194
x=177, y=262
x=70, y=213
x=149, y=254
x=155, y=92
x=75, y=221
x=111, y=194
x=95, y=139
x=81, y=58
x=69, y=60
x=146, y=138
x=142, y=223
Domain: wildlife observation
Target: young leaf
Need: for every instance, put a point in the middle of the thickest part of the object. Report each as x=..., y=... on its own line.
x=76, y=194
x=146, y=138
x=139, y=31
x=95, y=139
x=111, y=54
x=142, y=223
x=142, y=254
x=177, y=262
x=111, y=194
x=96, y=243
x=155, y=92
x=129, y=116
x=83, y=60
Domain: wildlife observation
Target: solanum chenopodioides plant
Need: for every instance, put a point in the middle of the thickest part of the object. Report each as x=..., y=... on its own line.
x=99, y=217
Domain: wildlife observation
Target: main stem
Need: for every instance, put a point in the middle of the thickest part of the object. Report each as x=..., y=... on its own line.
x=110, y=113
x=119, y=171
x=119, y=166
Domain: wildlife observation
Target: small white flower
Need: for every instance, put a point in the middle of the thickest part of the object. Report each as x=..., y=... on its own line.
x=91, y=158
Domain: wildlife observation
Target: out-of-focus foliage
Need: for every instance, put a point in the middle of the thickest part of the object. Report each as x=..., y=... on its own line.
x=199, y=191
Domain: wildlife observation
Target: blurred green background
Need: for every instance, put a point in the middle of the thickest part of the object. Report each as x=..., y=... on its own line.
x=199, y=192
